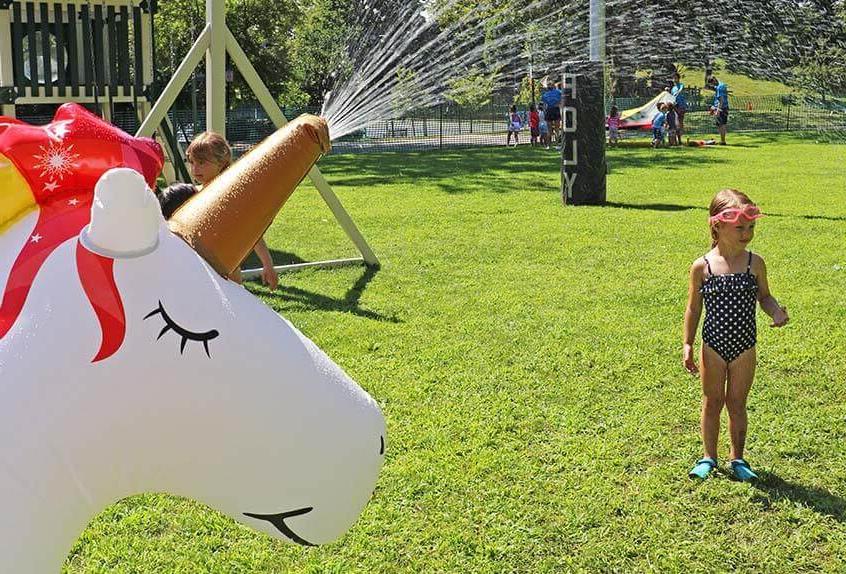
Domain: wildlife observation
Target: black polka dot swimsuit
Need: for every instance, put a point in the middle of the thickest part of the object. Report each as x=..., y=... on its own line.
x=730, y=301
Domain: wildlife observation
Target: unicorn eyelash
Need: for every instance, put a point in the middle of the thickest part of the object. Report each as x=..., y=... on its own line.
x=171, y=325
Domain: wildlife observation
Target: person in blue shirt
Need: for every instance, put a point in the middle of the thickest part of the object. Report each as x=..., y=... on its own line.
x=658, y=122
x=552, y=104
x=681, y=104
x=720, y=107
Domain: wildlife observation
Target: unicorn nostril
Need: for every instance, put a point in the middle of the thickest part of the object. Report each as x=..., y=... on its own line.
x=381, y=445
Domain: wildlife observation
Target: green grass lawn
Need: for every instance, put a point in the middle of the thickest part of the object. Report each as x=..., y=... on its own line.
x=527, y=357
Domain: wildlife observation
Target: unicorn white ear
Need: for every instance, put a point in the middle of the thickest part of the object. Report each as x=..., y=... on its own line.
x=125, y=216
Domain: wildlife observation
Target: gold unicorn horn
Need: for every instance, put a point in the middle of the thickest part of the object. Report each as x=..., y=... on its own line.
x=225, y=220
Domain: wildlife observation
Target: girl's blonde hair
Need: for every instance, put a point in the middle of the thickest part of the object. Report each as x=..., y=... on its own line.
x=725, y=199
x=210, y=146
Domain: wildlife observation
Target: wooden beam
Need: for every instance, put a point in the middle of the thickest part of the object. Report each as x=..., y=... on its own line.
x=7, y=76
x=114, y=52
x=123, y=50
x=99, y=51
x=137, y=34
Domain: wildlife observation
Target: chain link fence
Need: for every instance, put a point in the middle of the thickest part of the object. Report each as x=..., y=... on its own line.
x=451, y=126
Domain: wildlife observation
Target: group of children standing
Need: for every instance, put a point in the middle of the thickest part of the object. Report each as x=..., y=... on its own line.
x=544, y=119
x=670, y=121
x=539, y=129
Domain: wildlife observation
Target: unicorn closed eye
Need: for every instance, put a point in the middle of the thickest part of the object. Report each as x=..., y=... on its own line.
x=129, y=364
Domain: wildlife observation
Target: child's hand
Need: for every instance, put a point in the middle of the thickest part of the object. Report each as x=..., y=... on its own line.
x=780, y=317
x=269, y=277
x=687, y=360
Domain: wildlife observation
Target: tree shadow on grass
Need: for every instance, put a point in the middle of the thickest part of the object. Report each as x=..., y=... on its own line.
x=279, y=258
x=665, y=158
x=653, y=206
x=773, y=487
x=349, y=303
x=440, y=166
x=812, y=217
x=483, y=167
x=677, y=207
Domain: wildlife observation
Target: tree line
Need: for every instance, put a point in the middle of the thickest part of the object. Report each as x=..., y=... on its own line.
x=301, y=48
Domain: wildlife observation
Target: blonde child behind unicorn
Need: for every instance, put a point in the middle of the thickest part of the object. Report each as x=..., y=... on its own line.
x=208, y=155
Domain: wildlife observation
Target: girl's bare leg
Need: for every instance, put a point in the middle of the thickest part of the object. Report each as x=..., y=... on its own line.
x=712, y=371
x=741, y=373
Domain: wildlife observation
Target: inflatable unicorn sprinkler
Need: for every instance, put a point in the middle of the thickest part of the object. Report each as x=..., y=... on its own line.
x=129, y=364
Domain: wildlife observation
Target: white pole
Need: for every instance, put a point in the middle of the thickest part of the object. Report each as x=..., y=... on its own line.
x=597, y=30
x=216, y=67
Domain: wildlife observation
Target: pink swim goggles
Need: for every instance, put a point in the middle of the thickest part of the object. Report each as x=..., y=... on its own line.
x=733, y=214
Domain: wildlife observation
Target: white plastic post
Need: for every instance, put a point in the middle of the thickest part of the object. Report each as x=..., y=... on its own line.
x=597, y=30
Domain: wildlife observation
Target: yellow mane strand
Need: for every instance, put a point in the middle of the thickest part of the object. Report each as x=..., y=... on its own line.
x=16, y=199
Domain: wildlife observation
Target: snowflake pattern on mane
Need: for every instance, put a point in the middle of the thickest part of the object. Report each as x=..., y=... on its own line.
x=56, y=161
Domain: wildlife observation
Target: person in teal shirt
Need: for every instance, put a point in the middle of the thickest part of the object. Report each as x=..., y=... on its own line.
x=720, y=107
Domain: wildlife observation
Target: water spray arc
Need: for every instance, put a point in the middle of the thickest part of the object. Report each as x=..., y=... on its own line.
x=400, y=56
x=213, y=43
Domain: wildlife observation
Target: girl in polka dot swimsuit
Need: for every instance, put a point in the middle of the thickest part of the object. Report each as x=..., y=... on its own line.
x=730, y=280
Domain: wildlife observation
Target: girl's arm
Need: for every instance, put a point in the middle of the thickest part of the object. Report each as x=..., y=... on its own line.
x=765, y=299
x=268, y=273
x=691, y=316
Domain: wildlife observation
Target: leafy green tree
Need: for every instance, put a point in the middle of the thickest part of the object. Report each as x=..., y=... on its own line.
x=177, y=24
x=405, y=92
x=823, y=72
x=262, y=28
x=473, y=89
x=319, y=49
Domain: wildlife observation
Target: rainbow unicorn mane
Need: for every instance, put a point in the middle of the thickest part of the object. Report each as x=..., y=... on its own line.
x=54, y=169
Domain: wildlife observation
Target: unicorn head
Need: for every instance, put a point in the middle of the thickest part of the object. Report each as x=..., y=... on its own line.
x=129, y=364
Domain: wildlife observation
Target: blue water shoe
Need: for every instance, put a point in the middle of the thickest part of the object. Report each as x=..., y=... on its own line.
x=702, y=468
x=742, y=472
